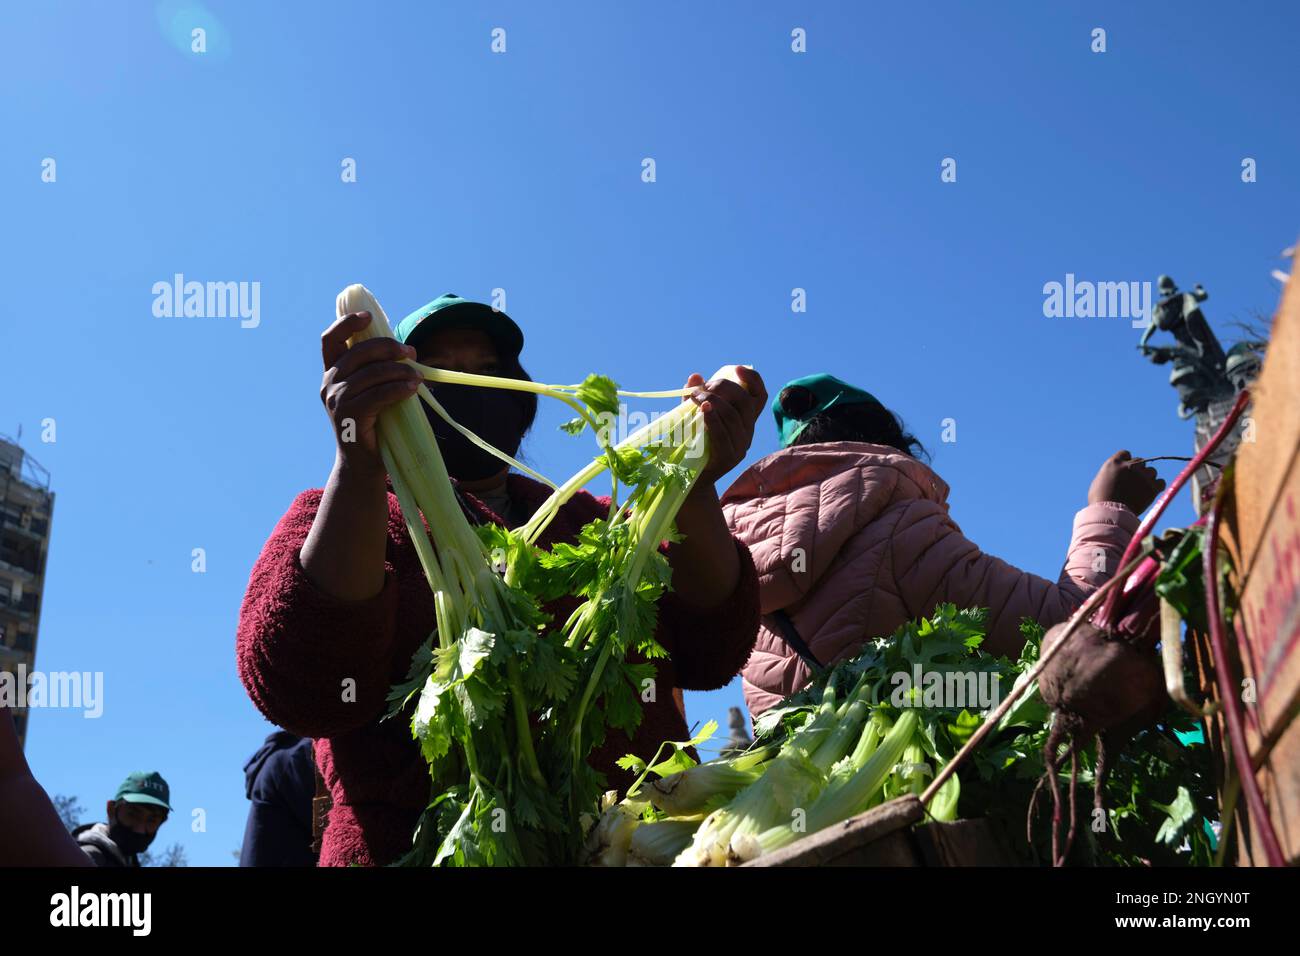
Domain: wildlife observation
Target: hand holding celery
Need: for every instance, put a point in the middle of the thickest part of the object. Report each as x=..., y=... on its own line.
x=508, y=703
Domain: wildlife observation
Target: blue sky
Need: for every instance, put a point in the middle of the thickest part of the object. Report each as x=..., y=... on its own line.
x=522, y=171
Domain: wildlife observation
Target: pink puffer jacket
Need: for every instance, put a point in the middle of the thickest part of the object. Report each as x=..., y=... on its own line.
x=853, y=540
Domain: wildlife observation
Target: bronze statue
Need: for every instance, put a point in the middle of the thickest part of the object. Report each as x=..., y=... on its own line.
x=1199, y=373
x=1208, y=381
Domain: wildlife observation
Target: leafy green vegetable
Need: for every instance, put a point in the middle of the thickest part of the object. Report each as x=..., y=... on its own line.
x=1158, y=793
x=508, y=703
x=1181, y=581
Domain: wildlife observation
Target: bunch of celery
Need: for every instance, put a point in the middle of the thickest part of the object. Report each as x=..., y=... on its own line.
x=509, y=704
x=883, y=739
x=843, y=745
x=658, y=819
x=848, y=742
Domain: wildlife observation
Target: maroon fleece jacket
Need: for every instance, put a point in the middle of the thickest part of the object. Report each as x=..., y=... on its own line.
x=296, y=646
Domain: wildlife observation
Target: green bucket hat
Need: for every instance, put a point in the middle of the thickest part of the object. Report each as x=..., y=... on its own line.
x=452, y=312
x=141, y=787
x=827, y=390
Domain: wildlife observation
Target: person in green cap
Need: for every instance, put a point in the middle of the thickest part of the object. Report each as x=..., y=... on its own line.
x=337, y=603
x=135, y=813
x=852, y=538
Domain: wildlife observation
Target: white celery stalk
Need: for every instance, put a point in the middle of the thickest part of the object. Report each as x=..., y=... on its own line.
x=849, y=791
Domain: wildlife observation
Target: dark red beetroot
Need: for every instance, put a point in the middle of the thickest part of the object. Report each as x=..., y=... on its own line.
x=1105, y=681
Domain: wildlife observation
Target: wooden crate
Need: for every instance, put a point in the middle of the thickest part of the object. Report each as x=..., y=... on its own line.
x=1262, y=535
x=894, y=834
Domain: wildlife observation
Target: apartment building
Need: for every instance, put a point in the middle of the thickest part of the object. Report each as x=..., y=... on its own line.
x=26, y=508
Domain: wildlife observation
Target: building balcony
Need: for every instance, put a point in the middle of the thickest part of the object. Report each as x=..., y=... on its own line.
x=8, y=526
x=24, y=642
x=17, y=572
x=25, y=607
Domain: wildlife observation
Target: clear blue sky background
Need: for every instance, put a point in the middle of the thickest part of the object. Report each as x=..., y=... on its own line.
x=522, y=171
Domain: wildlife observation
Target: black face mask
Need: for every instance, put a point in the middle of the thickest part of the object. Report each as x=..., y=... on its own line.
x=494, y=415
x=127, y=839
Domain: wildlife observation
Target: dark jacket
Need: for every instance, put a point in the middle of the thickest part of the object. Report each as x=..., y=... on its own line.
x=94, y=840
x=280, y=780
x=296, y=645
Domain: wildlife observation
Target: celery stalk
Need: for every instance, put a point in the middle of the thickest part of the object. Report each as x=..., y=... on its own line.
x=689, y=791
x=658, y=842
x=847, y=794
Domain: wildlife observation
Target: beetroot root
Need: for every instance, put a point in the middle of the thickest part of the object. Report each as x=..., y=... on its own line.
x=1098, y=683
x=1101, y=685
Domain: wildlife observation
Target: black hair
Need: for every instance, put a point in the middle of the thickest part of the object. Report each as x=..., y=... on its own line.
x=867, y=422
